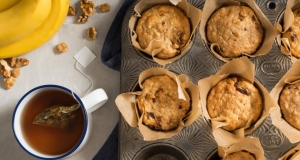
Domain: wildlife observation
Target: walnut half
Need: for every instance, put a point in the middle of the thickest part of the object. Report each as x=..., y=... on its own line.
x=82, y=19
x=62, y=47
x=92, y=33
x=9, y=82
x=87, y=7
x=104, y=7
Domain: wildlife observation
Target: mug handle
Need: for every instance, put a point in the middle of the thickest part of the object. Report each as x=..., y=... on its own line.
x=94, y=100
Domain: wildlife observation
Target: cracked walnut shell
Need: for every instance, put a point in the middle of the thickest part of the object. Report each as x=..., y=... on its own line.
x=87, y=7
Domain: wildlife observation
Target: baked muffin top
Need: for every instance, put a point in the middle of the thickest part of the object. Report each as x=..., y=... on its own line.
x=159, y=101
x=289, y=101
x=240, y=155
x=293, y=35
x=236, y=30
x=167, y=23
x=236, y=99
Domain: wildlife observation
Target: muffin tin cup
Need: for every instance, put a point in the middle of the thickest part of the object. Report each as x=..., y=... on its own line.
x=160, y=151
x=240, y=67
x=292, y=76
x=155, y=46
x=283, y=23
x=269, y=31
x=250, y=144
x=292, y=154
x=127, y=105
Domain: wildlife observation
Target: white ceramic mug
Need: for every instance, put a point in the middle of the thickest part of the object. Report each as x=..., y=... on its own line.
x=89, y=103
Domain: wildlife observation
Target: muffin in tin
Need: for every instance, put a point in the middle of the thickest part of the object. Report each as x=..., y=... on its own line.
x=167, y=23
x=289, y=101
x=236, y=29
x=293, y=34
x=160, y=104
x=240, y=155
x=237, y=100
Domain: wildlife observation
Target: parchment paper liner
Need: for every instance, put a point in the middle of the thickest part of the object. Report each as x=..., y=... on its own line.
x=155, y=46
x=250, y=144
x=241, y=67
x=292, y=154
x=288, y=19
x=186, y=90
x=292, y=76
x=269, y=32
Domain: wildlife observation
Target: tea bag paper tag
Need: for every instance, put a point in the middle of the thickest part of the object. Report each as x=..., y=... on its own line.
x=84, y=56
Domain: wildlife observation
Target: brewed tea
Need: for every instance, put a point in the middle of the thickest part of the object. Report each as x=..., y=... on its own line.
x=49, y=140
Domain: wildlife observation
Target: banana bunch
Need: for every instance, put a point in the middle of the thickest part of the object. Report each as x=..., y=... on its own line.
x=27, y=24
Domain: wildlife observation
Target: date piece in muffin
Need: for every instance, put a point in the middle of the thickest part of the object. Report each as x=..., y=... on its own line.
x=159, y=101
x=293, y=34
x=167, y=23
x=240, y=155
x=289, y=101
x=236, y=99
x=236, y=30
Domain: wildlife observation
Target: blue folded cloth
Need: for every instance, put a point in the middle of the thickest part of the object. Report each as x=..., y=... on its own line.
x=111, y=50
x=109, y=150
x=111, y=57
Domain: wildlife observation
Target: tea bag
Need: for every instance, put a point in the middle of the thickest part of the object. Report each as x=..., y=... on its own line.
x=58, y=116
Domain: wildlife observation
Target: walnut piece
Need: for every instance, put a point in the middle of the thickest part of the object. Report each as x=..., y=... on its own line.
x=82, y=19
x=62, y=47
x=15, y=72
x=9, y=82
x=17, y=62
x=10, y=69
x=104, y=7
x=4, y=69
x=92, y=33
x=87, y=7
x=6, y=73
x=72, y=10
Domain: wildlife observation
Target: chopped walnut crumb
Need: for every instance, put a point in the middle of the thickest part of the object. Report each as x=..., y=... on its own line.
x=82, y=19
x=15, y=72
x=72, y=10
x=92, y=33
x=104, y=7
x=62, y=47
x=87, y=7
x=9, y=82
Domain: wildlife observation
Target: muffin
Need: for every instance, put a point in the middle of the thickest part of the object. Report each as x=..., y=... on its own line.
x=240, y=155
x=237, y=100
x=293, y=35
x=236, y=30
x=160, y=104
x=167, y=23
x=289, y=101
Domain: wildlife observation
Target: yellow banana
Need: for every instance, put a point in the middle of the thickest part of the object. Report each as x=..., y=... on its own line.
x=22, y=19
x=41, y=35
x=5, y=4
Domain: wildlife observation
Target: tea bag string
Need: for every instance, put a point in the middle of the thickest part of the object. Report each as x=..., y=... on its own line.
x=91, y=85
